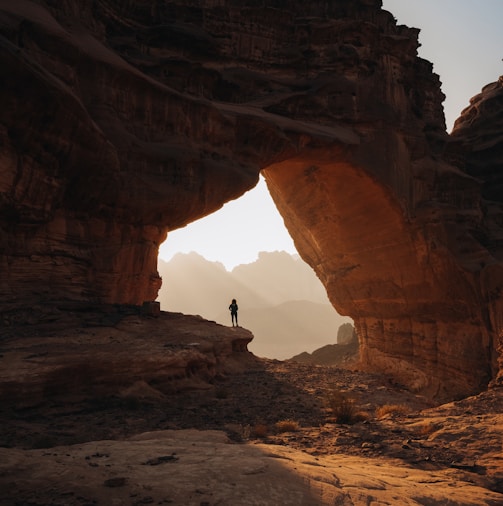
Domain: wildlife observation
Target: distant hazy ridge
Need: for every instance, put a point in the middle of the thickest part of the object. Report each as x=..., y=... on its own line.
x=280, y=300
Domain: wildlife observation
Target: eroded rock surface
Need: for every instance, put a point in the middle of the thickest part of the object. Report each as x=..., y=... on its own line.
x=478, y=134
x=203, y=468
x=118, y=354
x=122, y=121
x=402, y=450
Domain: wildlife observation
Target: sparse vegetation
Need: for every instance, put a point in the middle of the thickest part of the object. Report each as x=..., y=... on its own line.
x=287, y=426
x=259, y=430
x=343, y=407
x=427, y=429
x=392, y=409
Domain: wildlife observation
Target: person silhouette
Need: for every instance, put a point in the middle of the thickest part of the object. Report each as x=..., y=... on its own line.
x=233, y=308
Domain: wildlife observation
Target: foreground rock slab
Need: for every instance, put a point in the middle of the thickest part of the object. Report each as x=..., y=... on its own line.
x=127, y=409
x=112, y=353
x=195, y=468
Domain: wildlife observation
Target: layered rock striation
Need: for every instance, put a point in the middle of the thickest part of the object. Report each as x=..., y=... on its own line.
x=122, y=121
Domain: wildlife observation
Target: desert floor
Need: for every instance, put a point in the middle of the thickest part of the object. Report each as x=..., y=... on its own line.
x=266, y=435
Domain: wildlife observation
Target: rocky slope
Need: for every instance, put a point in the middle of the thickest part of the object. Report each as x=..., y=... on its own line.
x=340, y=354
x=223, y=444
x=123, y=121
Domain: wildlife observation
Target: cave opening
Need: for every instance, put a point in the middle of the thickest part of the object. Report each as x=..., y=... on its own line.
x=244, y=251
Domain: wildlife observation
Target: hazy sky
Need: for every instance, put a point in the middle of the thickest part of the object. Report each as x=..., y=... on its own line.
x=464, y=41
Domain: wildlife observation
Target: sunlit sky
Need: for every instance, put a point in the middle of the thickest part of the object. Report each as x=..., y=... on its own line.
x=464, y=41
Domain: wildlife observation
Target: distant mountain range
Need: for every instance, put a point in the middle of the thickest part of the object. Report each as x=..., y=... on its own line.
x=280, y=300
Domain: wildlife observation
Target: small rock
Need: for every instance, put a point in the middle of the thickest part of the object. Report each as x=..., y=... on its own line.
x=469, y=465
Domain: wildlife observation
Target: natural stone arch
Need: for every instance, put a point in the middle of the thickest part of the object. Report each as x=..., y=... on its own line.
x=385, y=270
x=145, y=118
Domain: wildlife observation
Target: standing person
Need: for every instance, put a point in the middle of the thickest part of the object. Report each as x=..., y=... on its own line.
x=233, y=308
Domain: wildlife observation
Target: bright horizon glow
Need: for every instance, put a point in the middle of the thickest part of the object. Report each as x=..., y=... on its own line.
x=464, y=41
x=235, y=234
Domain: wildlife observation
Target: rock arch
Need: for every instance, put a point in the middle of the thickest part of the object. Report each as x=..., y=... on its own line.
x=388, y=271
x=122, y=122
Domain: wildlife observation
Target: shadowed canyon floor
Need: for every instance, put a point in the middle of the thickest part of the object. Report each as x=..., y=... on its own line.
x=253, y=432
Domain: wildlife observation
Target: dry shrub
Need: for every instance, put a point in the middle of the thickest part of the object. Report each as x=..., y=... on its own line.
x=427, y=429
x=260, y=430
x=392, y=409
x=343, y=407
x=287, y=426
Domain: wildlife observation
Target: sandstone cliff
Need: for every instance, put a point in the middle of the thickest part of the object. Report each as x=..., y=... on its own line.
x=122, y=121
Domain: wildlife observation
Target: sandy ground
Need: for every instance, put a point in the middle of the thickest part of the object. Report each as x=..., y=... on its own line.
x=264, y=436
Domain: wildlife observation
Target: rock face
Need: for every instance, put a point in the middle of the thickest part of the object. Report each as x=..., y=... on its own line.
x=122, y=121
x=478, y=136
x=128, y=356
